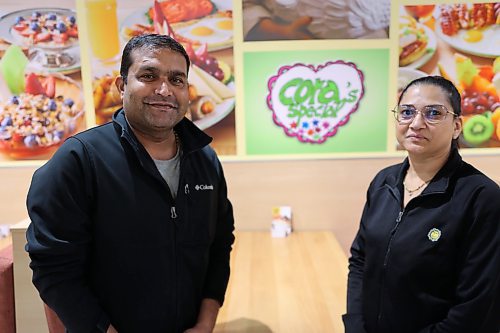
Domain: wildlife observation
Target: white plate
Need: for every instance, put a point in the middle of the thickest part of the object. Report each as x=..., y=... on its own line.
x=429, y=52
x=220, y=112
x=406, y=75
x=8, y=20
x=139, y=17
x=489, y=46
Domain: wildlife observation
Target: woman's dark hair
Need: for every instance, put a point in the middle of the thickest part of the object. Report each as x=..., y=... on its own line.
x=446, y=86
x=153, y=42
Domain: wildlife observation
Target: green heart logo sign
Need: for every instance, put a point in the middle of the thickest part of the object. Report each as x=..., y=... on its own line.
x=311, y=103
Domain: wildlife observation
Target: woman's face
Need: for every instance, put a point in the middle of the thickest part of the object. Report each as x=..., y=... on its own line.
x=419, y=137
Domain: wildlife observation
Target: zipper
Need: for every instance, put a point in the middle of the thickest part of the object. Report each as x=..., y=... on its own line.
x=393, y=231
x=173, y=213
x=386, y=258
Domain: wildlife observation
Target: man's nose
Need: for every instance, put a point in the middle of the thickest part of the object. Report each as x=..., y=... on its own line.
x=163, y=89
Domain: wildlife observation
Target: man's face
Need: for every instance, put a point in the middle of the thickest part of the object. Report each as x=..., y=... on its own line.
x=155, y=96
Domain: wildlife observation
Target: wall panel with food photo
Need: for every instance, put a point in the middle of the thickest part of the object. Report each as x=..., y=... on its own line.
x=41, y=100
x=315, y=19
x=204, y=27
x=461, y=42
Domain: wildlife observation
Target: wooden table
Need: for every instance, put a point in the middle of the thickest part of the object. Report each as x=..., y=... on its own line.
x=293, y=284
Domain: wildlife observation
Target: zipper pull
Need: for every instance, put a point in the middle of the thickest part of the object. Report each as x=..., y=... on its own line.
x=186, y=189
x=173, y=214
x=398, y=219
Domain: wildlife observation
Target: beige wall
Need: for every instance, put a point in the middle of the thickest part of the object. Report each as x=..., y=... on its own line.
x=324, y=194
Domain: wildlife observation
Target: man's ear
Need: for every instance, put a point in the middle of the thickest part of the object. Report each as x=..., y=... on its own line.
x=120, y=85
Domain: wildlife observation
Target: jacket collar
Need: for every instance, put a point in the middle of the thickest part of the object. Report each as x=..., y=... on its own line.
x=191, y=137
x=440, y=182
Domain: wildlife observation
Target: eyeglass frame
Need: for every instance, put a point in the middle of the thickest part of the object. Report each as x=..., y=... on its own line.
x=418, y=110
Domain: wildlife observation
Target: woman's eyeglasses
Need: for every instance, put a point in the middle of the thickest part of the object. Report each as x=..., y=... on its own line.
x=432, y=114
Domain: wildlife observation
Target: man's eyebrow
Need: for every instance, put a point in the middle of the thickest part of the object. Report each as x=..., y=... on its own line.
x=177, y=73
x=148, y=68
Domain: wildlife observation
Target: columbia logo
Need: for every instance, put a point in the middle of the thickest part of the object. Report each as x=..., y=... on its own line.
x=203, y=187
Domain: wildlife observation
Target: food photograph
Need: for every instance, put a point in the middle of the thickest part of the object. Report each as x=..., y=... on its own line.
x=460, y=42
x=203, y=27
x=41, y=98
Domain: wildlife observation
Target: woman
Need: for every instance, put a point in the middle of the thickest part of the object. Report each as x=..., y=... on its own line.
x=426, y=257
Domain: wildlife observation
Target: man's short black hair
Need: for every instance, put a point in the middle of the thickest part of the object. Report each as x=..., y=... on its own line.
x=153, y=42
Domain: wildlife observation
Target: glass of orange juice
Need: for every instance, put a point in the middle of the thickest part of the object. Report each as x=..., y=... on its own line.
x=102, y=23
x=423, y=13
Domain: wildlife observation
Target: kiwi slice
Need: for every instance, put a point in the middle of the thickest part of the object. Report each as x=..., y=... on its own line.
x=478, y=129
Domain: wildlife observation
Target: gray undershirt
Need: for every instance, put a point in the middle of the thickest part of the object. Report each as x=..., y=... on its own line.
x=170, y=171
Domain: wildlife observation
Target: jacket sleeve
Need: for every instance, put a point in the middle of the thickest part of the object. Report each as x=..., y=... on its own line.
x=59, y=235
x=478, y=288
x=353, y=319
x=218, y=268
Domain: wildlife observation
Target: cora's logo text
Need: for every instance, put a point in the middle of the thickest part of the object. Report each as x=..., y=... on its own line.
x=311, y=103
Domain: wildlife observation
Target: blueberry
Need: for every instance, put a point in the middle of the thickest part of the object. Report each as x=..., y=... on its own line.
x=52, y=105
x=51, y=17
x=19, y=19
x=36, y=14
x=68, y=102
x=14, y=100
x=58, y=135
x=61, y=26
x=30, y=141
x=34, y=26
x=72, y=19
x=7, y=121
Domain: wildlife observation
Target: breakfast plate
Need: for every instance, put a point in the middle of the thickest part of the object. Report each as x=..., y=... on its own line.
x=487, y=44
x=51, y=34
x=47, y=28
x=220, y=112
x=431, y=48
x=215, y=29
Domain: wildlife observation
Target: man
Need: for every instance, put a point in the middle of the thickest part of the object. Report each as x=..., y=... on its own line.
x=131, y=228
x=322, y=19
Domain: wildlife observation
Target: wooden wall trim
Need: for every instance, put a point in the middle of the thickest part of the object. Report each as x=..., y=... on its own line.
x=323, y=194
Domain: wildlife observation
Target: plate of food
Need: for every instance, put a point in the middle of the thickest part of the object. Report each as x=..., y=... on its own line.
x=471, y=28
x=417, y=43
x=195, y=22
x=46, y=28
x=35, y=122
x=50, y=35
x=406, y=75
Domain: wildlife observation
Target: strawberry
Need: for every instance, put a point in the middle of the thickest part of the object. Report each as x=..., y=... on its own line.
x=43, y=37
x=27, y=32
x=60, y=38
x=33, y=85
x=72, y=32
x=20, y=26
x=49, y=85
